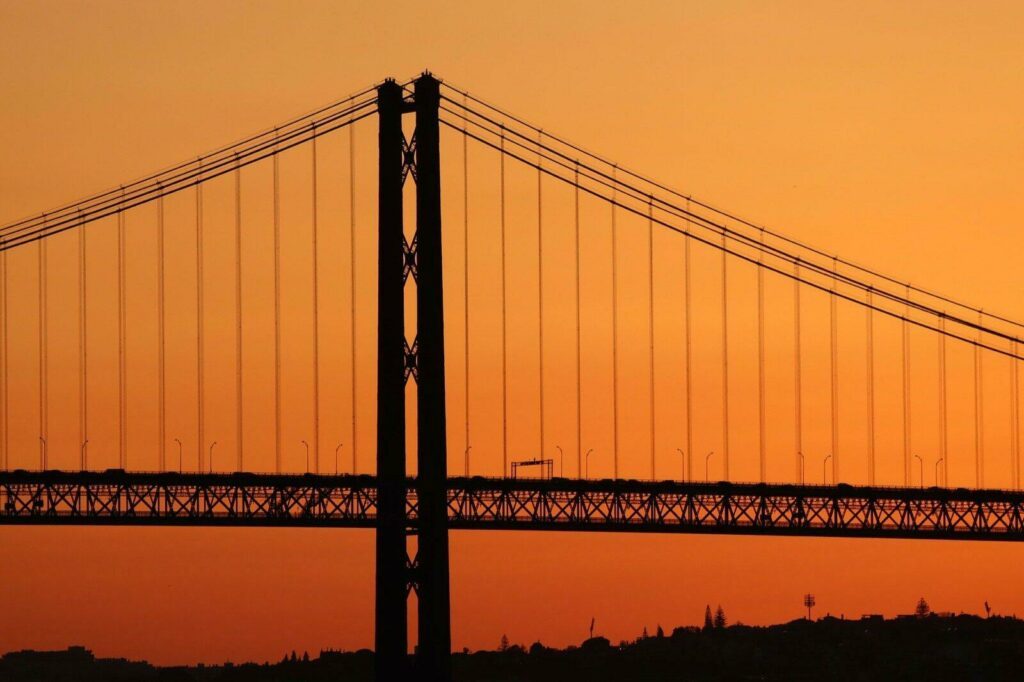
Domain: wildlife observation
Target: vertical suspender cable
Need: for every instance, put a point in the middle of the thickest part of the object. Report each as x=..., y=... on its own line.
x=122, y=334
x=161, y=329
x=1014, y=416
x=688, y=455
x=83, y=357
x=352, y=277
x=834, y=364
x=979, y=409
x=277, y=310
x=465, y=275
x=540, y=290
x=579, y=361
x=906, y=391
x=650, y=327
x=316, y=320
x=504, y=318
x=943, y=434
x=615, y=336
x=798, y=387
x=871, y=388
x=761, y=413
x=200, y=389
x=725, y=361
x=3, y=359
x=43, y=397
x=239, y=435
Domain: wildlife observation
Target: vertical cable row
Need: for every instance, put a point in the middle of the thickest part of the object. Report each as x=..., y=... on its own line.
x=540, y=289
x=798, y=384
x=352, y=278
x=761, y=409
x=200, y=388
x=725, y=360
x=161, y=329
x=316, y=320
x=239, y=433
x=43, y=370
x=834, y=365
x=871, y=388
x=905, y=332
x=465, y=275
x=615, y=335
x=688, y=455
x=504, y=316
x=650, y=326
x=277, y=310
x=579, y=361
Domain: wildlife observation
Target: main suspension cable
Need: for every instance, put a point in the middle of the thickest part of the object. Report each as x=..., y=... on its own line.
x=706, y=206
x=721, y=245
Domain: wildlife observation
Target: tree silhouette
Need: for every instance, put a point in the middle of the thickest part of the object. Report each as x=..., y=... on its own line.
x=708, y=623
x=504, y=643
x=659, y=633
x=922, y=610
x=720, y=621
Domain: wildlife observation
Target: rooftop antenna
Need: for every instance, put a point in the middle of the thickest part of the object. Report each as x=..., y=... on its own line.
x=809, y=603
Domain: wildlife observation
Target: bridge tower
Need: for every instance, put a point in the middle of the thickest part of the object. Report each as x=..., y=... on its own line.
x=400, y=258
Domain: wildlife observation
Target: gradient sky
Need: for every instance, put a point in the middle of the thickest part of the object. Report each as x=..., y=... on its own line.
x=886, y=132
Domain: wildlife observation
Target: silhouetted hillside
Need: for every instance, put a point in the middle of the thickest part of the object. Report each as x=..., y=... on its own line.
x=906, y=648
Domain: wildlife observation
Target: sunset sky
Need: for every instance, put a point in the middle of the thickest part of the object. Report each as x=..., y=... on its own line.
x=888, y=133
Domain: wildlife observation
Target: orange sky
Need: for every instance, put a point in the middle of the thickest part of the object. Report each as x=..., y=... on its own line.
x=887, y=134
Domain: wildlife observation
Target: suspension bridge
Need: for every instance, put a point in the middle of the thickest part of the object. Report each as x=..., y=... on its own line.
x=670, y=366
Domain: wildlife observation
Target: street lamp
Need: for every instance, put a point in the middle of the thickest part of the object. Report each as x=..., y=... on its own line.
x=466, y=457
x=682, y=464
x=587, y=459
x=707, y=464
x=212, y=445
x=336, y=458
x=84, y=443
x=42, y=453
x=561, y=460
x=921, y=462
x=824, y=469
x=180, y=467
x=937, y=470
x=307, y=455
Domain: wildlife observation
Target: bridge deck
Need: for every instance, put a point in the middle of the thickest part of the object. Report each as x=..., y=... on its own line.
x=244, y=499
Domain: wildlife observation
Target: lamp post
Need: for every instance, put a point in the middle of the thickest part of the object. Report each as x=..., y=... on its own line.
x=466, y=457
x=707, y=465
x=212, y=446
x=587, y=460
x=307, y=455
x=937, y=470
x=824, y=469
x=42, y=453
x=336, y=458
x=82, y=452
x=921, y=462
x=180, y=467
x=561, y=460
x=682, y=464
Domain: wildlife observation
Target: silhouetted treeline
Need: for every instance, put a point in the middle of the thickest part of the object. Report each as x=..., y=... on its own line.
x=927, y=647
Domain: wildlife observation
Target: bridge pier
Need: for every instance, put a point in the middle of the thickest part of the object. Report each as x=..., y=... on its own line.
x=423, y=359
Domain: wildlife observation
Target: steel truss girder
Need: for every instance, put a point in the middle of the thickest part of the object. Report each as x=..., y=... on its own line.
x=115, y=497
